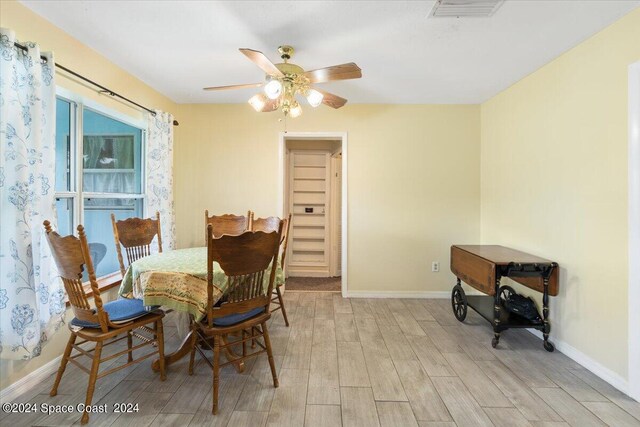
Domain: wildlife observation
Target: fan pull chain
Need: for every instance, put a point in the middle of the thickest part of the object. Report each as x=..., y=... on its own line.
x=285, y=122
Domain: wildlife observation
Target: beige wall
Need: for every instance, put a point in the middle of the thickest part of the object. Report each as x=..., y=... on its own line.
x=80, y=58
x=413, y=186
x=554, y=183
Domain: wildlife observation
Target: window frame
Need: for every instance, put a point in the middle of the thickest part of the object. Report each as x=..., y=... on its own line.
x=75, y=188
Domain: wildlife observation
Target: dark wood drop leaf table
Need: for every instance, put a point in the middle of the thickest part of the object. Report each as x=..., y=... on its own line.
x=482, y=267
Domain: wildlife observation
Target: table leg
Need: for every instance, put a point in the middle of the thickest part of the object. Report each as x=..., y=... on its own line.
x=185, y=349
x=182, y=351
x=545, y=315
x=232, y=356
x=229, y=354
x=496, y=315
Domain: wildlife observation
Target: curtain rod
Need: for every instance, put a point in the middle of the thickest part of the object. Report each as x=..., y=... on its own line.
x=103, y=89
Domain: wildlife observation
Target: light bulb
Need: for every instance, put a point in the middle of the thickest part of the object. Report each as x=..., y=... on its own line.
x=273, y=89
x=258, y=101
x=295, y=111
x=314, y=97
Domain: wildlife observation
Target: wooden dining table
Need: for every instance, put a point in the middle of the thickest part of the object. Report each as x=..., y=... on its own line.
x=177, y=280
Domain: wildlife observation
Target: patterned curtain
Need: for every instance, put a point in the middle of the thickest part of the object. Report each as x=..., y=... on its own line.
x=159, y=175
x=31, y=296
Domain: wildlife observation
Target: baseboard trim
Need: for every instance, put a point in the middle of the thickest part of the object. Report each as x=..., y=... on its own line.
x=29, y=381
x=587, y=362
x=302, y=271
x=405, y=294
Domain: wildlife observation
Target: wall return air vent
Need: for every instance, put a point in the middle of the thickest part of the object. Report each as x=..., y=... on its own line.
x=465, y=8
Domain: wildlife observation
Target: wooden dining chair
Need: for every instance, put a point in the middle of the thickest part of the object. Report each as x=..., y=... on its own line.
x=267, y=225
x=227, y=224
x=136, y=236
x=247, y=260
x=103, y=324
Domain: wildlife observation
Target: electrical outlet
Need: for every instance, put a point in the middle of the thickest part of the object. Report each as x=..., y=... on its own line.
x=435, y=266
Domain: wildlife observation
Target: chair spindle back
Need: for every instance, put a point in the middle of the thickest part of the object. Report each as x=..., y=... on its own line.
x=71, y=255
x=271, y=224
x=245, y=260
x=136, y=236
x=285, y=241
x=268, y=225
x=227, y=224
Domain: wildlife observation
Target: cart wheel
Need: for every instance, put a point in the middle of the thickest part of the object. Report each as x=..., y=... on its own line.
x=459, y=303
x=548, y=346
x=494, y=342
x=506, y=292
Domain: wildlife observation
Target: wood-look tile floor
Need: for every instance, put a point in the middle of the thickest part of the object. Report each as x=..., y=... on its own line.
x=360, y=362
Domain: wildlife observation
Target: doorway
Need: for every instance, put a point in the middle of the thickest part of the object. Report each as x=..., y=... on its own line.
x=313, y=191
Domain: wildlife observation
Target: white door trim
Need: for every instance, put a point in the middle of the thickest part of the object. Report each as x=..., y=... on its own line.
x=634, y=230
x=282, y=137
x=335, y=206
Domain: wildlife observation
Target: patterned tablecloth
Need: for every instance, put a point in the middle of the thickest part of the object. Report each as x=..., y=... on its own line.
x=178, y=280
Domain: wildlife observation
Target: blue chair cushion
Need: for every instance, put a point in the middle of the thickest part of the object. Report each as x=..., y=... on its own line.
x=119, y=311
x=232, y=319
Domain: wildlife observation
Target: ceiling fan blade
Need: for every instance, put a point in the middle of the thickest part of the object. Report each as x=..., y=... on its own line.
x=333, y=101
x=262, y=61
x=270, y=105
x=337, y=72
x=233, y=86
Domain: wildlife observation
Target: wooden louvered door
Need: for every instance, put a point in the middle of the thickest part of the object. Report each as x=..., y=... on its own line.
x=309, y=203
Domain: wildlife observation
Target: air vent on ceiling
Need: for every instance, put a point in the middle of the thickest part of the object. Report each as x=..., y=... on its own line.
x=465, y=8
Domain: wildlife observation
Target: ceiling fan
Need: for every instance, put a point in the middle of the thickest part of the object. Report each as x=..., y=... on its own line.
x=286, y=80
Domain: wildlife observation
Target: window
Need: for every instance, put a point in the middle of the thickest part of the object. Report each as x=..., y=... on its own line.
x=99, y=171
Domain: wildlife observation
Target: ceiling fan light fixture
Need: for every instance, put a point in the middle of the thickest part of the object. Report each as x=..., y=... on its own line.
x=273, y=89
x=314, y=98
x=258, y=101
x=295, y=111
x=286, y=81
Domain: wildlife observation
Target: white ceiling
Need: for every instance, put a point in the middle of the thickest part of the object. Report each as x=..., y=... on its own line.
x=179, y=47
